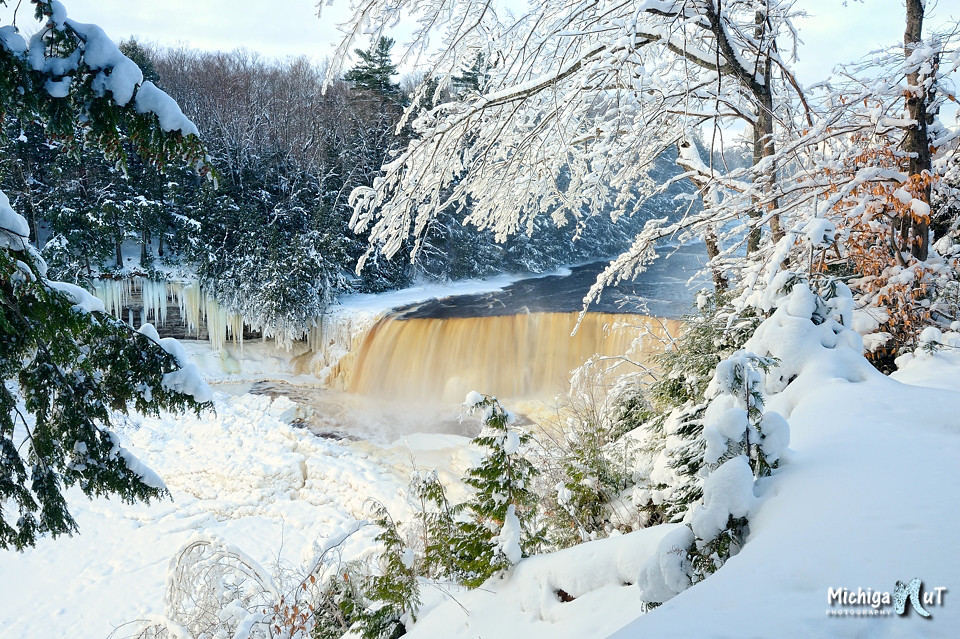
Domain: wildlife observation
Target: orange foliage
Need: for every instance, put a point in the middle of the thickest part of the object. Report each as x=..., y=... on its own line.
x=875, y=222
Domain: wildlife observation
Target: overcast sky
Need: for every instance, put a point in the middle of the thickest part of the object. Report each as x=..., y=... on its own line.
x=279, y=28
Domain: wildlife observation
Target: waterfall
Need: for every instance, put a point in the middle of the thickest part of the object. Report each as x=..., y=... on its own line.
x=515, y=356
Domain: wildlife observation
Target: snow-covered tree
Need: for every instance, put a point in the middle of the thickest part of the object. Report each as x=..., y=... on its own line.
x=579, y=101
x=394, y=592
x=65, y=366
x=436, y=524
x=679, y=396
x=499, y=525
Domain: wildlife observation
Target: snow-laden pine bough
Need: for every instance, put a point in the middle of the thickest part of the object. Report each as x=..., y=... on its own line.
x=68, y=368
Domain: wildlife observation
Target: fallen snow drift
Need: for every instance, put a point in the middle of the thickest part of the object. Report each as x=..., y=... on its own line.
x=867, y=497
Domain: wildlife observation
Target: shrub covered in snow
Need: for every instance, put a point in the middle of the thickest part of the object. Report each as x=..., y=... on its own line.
x=807, y=336
x=587, y=461
x=673, y=476
x=393, y=593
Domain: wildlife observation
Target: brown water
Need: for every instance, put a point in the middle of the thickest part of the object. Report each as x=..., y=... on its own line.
x=525, y=356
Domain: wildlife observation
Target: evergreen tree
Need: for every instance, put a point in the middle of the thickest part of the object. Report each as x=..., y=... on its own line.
x=473, y=77
x=499, y=525
x=142, y=57
x=679, y=396
x=26, y=159
x=437, y=527
x=66, y=367
x=375, y=70
x=376, y=106
x=394, y=592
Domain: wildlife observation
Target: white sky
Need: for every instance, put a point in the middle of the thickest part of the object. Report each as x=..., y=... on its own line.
x=832, y=34
x=279, y=28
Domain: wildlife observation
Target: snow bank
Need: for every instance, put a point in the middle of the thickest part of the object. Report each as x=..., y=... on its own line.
x=860, y=501
x=244, y=475
x=596, y=578
x=864, y=501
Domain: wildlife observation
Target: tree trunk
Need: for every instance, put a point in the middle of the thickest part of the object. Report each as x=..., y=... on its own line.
x=713, y=250
x=29, y=210
x=763, y=146
x=916, y=142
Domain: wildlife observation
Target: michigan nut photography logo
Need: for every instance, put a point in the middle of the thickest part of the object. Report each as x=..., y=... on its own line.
x=878, y=603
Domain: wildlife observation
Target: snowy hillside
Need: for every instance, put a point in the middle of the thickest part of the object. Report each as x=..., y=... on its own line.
x=865, y=498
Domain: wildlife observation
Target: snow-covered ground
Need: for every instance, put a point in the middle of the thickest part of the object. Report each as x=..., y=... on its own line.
x=866, y=497
x=244, y=475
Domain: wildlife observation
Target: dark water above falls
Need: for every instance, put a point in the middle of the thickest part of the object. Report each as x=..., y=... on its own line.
x=662, y=290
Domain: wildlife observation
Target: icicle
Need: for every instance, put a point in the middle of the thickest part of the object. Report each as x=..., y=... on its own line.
x=236, y=329
x=190, y=302
x=155, y=301
x=197, y=308
x=216, y=322
x=115, y=295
